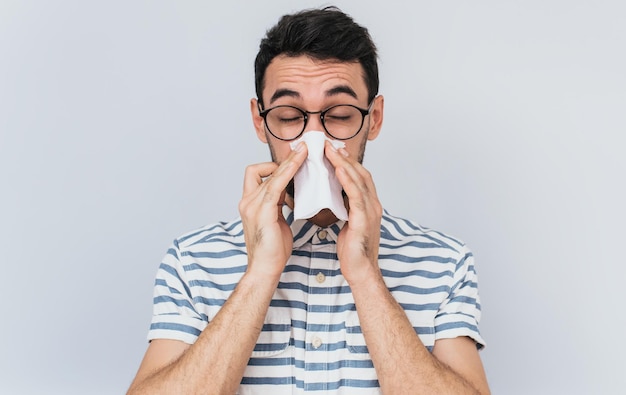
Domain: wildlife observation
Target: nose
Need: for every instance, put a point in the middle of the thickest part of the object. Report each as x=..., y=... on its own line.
x=314, y=122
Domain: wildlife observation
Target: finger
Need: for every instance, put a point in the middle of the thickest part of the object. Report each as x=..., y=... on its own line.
x=254, y=176
x=359, y=186
x=273, y=187
x=287, y=169
x=273, y=191
x=350, y=172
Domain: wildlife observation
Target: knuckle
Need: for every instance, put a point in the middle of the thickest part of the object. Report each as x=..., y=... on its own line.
x=250, y=169
x=379, y=209
x=242, y=206
x=246, y=210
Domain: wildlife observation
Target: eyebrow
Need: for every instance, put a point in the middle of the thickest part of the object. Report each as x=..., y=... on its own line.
x=339, y=89
x=284, y=93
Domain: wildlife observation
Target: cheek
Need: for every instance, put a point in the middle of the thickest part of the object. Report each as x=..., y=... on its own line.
x=279, y=151
x=355, y=147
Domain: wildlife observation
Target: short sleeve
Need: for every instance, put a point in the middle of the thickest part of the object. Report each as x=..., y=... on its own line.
x=459, y=314
x=174, y=315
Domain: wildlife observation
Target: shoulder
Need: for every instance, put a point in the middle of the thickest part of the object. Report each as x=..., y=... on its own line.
x=405, y=241
x=218, y=235
x=397, y=232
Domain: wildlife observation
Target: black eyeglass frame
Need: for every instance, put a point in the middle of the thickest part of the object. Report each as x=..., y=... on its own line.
x=364, y=113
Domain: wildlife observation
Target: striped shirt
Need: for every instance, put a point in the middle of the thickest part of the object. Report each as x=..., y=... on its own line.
x=311, y=338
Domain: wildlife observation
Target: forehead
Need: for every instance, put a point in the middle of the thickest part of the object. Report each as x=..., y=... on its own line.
x=311, y=77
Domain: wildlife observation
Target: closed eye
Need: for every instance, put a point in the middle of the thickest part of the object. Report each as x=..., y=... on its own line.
x=290, y=119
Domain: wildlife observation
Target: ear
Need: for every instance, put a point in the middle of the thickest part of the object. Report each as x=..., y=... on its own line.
x=257, y=120
x=376, y=117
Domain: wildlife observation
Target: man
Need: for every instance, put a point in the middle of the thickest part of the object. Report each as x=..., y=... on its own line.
x=268, y=304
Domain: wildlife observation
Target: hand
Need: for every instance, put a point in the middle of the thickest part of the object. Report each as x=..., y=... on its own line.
x=358, y=243
x=269, y=240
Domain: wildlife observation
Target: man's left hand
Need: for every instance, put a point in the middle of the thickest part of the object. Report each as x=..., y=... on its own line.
x=357, y=247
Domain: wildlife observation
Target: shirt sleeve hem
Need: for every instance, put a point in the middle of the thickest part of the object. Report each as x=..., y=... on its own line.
x=176, y=327
x=460, y=332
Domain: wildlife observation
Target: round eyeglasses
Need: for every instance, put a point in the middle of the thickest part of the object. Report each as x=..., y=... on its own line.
x=342, y=122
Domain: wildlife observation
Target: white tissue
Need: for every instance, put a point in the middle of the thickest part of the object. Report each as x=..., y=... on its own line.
x=315, y=185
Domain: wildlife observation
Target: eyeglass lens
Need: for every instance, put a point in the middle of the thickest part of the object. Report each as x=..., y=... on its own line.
x=342, y=121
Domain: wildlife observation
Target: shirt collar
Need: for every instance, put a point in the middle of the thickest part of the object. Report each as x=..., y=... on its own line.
x=303, y=230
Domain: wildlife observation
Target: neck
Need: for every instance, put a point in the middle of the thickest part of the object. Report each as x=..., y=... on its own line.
x=324, y=218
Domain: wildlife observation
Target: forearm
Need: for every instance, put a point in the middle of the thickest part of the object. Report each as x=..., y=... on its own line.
x=215, y=363
x=400, y=358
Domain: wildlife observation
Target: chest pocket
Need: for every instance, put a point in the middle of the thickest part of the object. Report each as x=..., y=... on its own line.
x=354, y=337
x=271, y=360
x=355, y=341
x=275, y=335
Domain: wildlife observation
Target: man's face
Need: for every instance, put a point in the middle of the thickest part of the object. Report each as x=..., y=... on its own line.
x=314, y=85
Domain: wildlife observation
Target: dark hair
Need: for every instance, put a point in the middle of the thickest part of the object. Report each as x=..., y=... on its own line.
x=322, y=34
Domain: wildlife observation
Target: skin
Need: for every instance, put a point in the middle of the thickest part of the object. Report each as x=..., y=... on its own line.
x=218, y=358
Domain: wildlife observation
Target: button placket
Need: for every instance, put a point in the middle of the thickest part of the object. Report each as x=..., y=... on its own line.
x=321, y=318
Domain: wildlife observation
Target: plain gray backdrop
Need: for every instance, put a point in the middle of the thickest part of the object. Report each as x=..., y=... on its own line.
x=124, y=124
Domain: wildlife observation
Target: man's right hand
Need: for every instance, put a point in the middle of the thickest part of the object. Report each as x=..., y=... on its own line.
x=219, y=356
x=268, y=238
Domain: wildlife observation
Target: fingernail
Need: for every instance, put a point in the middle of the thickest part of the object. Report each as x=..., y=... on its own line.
x=343, y=152
x=299, y=147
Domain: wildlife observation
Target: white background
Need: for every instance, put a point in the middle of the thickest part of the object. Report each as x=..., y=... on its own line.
x=124, y=124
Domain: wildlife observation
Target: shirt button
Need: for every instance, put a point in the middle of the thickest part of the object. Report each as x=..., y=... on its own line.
x=322, y=234
x=320, y=277
x=317, y=342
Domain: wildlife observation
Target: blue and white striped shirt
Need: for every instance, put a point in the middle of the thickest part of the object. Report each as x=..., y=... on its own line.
x=311, y=339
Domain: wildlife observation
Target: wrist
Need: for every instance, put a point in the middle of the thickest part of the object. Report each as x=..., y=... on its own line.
x=365, y=276
x=259, y=280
